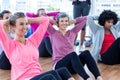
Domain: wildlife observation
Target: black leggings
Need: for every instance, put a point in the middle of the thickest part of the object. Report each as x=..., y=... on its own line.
x=59, y=74
x=45, y=48
x=75, y=64
x=4, y=62
x=112, y=55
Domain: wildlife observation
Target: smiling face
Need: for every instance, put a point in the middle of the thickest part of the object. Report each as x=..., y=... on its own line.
x=21, y=27
x=63, y=23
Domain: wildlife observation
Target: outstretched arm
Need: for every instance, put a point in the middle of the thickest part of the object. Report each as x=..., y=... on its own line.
x=34, y=20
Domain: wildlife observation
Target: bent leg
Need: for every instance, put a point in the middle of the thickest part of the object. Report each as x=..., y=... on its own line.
x=72, y=63
x=86, y=58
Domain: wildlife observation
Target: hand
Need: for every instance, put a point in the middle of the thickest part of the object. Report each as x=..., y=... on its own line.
x=53, y=22
x=72, y=22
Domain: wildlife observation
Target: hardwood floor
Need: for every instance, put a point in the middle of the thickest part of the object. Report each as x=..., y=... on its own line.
x=108, y=72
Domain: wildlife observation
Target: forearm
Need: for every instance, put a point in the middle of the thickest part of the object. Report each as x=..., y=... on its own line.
x=34, y=20
x=31, y=14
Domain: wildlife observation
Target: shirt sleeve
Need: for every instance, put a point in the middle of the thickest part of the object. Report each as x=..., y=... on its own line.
x=54, y=14
x=50, y=29
x=117, y=26
x=6, y=43
x=92, y=23
x=37, y=36
x=80, y=22
x=31, y=15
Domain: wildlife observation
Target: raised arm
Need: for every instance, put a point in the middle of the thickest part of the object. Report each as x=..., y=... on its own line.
x=6, y=43
x=117, y=26
x=50, y=29
x=80, y=22
x=92, y=24
x=37, y=36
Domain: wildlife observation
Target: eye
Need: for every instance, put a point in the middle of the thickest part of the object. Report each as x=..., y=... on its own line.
x=26, y=23
x=6, y=17
x=21, y=24
x=66, y=20
x=61, y=21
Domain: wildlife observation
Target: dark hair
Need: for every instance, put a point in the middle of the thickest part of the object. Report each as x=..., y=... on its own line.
x=39, y=10
x=4, y=12
x=107, y=15
x=16, y=16
x=61, y=15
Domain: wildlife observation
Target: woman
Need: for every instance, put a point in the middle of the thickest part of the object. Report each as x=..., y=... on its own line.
x=106, y=47
x=23, y=54
x=63, y=48
x=45, y=48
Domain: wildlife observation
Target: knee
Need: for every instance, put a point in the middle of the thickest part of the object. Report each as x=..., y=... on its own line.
x=73, y=55
x=86, y=53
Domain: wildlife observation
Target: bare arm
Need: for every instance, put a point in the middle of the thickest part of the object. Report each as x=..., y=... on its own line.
x=34, y=20
x=37, y=20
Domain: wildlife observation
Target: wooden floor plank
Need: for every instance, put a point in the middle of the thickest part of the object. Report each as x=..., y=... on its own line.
x=108, y=72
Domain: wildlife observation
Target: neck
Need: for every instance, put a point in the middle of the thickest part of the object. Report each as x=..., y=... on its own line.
x=20, y=39
x=62, y=31
x=107, y=31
